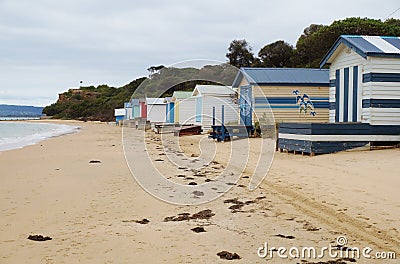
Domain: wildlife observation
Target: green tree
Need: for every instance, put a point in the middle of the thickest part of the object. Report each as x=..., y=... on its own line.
x=240, y=53
x=316, y=40
x=277, y=54
x=393, y=22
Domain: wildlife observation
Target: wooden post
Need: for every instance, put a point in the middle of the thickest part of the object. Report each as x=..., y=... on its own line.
x=222, y=124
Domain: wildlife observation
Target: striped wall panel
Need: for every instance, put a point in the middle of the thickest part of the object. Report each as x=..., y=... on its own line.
x=286, y=91
x=345, y=96
x=381, y=98
x=283, y=104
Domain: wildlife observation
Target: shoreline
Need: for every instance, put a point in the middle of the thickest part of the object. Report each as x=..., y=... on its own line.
x=32, y=139
x=94, y=211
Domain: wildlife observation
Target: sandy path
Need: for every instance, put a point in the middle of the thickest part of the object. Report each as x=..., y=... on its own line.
x=361, y=198
x=90, y=209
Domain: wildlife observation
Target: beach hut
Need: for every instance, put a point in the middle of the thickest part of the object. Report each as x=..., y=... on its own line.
x=119, y=114
x=128, y=110
x=143, y=108
x=135, y=108
x=365, y=80
x=364, y=98
x=208, y=96
x=292, y=94
x=184, y=107
x=155, y=109
x=169, y=110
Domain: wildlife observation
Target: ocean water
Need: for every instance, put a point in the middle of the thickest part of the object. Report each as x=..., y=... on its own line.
x=15, y=135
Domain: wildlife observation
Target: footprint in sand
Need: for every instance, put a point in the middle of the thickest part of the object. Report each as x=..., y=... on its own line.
x=363, y=217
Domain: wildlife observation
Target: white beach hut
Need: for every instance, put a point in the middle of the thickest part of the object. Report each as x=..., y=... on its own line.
x=128, y=111
x=209, y=96
x=184, y=109
x=155, y=109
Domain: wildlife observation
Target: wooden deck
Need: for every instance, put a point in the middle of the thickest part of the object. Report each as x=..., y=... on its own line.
x=188, y=130
x=312, y=138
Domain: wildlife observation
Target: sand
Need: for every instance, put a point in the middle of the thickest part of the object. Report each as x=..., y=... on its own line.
x=94, y=211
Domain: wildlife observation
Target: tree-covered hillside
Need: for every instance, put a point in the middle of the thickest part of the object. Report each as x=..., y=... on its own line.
x=167, y=80
x=98, y=103
x=91, y=103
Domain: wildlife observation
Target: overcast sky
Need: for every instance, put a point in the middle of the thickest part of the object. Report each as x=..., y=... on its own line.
x=47, y=46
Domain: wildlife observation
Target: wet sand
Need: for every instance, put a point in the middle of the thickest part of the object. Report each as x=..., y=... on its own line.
x=97, y=212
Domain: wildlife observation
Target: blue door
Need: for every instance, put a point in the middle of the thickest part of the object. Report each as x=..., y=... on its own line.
x=245, y=105
x=171, y=112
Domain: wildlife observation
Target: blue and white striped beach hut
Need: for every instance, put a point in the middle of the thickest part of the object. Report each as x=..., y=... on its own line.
x=364, y=98
x=365, y=80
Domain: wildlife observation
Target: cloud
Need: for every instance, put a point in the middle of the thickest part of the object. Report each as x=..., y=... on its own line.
x=48, y=46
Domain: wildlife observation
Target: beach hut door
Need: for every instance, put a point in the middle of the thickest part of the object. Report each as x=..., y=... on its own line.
x=245, y=105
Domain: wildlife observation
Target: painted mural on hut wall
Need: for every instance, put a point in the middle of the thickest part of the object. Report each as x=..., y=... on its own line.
x=304, y=102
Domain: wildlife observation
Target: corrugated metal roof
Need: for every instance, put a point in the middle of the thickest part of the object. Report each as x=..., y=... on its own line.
x=154, y=101
x=213, y=89
x=374, y=46
x=283, y=76
x=181, y=94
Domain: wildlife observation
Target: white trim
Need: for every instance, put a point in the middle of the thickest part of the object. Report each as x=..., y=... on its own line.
x=386, y=110
x=381, y=44
x=350, y=96
x=360, y=91
x=341, y=94
x=332, y=116
x=340, y=137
